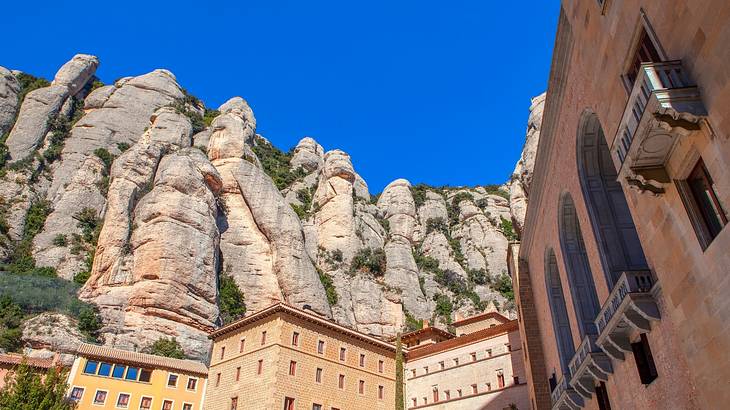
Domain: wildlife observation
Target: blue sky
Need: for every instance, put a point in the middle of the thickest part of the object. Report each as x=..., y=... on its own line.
x=435, y=92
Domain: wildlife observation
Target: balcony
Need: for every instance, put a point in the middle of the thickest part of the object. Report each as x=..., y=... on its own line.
x=630, y=308
x=663, y=107
x=564, y=397
x=589, y=366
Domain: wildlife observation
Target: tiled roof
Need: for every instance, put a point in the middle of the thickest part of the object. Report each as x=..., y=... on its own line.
x=469, y=338
x=141, y=359
x=16, y=359
x=480, y=317
x=425, y=331
x=302, y=314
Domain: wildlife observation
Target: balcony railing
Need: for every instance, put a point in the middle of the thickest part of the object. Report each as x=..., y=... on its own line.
x=630, y=306
x=663, y=106
x=589, y=366
x=564, y=397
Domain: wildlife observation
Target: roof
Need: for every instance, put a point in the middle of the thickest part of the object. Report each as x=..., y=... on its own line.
x=469, y=338
x=425, y=331
x=37, y=362
x=311, y=317
x=480, y=317
x=141, y=359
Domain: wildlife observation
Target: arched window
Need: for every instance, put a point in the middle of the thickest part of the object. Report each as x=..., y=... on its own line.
x=580, y=278
x=618, y=242
x=561, y=324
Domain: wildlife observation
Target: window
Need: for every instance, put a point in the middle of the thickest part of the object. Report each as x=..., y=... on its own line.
x=118, y=371
x=320, y=346
x=316, y=406
x=489, y=386
x=234, y=403
x=318, y=375
x=516, y=379
x=132, y=373
x=288, y=403
x=260, y=367
x=263, y=338
x=361, y=387
x=90, y=367
x=167, y=405
x=172, y=380
x=381, y=392
x=241, y=345
x=223, y=352
x=644, y=360
x=456, y=361
x=145, y=403
x=76, y=393
x=646, y=52
x=217, y=380
x=425, y=369
x=123, y=401
x=238, y=373
x=341, y=381
x=362, y=360
x=292, y=368
x=508, y=346
x=500, y=378
x=413, y=372
x=473, y=357
x=458, y=391
x=489, y=352
x=105, y=369
x=381, y=366
x=415, y=402
x=192, y=383
x=145, y=375
x=435, y=395
x=473, y=389
x=100, y=397
x=707, y=215
x=343, y=352
x=187, y=406
x=602, y=397
x=447, y=395
x=442, y=366
x=295, y=339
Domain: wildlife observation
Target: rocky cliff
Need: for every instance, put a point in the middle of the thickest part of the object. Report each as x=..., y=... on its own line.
x=167, y=213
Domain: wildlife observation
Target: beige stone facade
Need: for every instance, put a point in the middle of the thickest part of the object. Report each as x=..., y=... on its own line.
x=480, y=369
x=286, y=358
x=621, y=276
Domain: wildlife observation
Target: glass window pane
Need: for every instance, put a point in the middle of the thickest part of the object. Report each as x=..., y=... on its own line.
x=145, y=375
x=118, y=371
x=90, y=367
x=105, y=369
x=132, y=373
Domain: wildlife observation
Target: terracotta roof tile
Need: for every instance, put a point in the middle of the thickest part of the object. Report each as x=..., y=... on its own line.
x=481, y=317
x=141, y=359
x=469, y=338
x=16, y=359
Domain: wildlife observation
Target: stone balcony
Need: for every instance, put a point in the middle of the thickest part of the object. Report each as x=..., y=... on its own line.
x=589, y=366
x=663, y=107
x=564, y=397
x=630, y=308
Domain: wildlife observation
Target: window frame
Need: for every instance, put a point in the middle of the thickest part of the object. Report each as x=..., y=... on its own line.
x=70, y=394
x=318, y=373
x=241, y=345
x=187, y=385
x=152, y=402
x=321, y=343
x=96, y=367
x=136, y=376
x=102, y=364
x=694, y=209
x=381, y=392
x=292, y=368
x=172, y=403
x=141, y=371
x=343, y=354
x=643, y=26
x=187, y=403
x=106, y=396
x=295, y=339
x=117, y=366
x=177, y=378
x=119, y=396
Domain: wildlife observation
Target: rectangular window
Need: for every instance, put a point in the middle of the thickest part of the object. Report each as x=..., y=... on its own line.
x=646, y=52
x=145, y=403
x=414, y=401
x=381, y=366
x=500, y=378
x=341, y=381
x=644, y=360
x=292, y=368
x=105, y=369
x=187, y=406
x=318, y=375
x=706, y=214
x=442, y=365
x=489, y=386
x=458, y=391
x=473, y=389
x=76, y=393
x=223, y=352
x=167, y=405
x=447, y=395
x=260, y=367
x=381, y=392
x=238, y=373
x=362, y=360
x=263, y=338
x=145, y=375
x=192, y=384
x=473, y=357
x=435, y=395
x=343, y=352
x=217, y=380
x=413, y=372
x=288, y=403
x=425, y=369
x=320, y=346
x=90, y=367
x=489, y=352
x=316, y=406
x=602, y=397
x=172, y=380
x=295, y=339
x=100, y=397
x=118, y=371
x=241, y=345
x=516, y=379
x=361, y=387
x=132, y=373
x=123, y=401
x=508, y=346
x=456, y=361
x=234, y=403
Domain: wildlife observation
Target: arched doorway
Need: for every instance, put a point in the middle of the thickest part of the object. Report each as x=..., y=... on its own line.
x=618, y=242
x=561, y=324
x=580, y=278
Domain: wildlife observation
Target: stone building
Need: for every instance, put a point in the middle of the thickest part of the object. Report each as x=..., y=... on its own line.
x=482, y=368
x=9, y=363
x=285, y=358
x=621, y=275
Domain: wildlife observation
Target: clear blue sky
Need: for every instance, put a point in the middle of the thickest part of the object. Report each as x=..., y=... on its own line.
x=432, y=91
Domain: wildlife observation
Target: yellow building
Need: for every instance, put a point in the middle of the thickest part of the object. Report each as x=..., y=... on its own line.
x=285, y=358
x=107, y=378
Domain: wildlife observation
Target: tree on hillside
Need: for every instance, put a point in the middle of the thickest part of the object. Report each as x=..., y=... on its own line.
x=399, y=393
x=166, y=347
x=29, y=390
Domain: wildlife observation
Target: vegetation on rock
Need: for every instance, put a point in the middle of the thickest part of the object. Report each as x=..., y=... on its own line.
x=369, y=260
x=166, y=347
x=277, y=164
x=29, y=83
x=329, y=286
x=90, y=225
x=21, y=261
x=508, y=230
x=230, y=299
x=399, y=394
